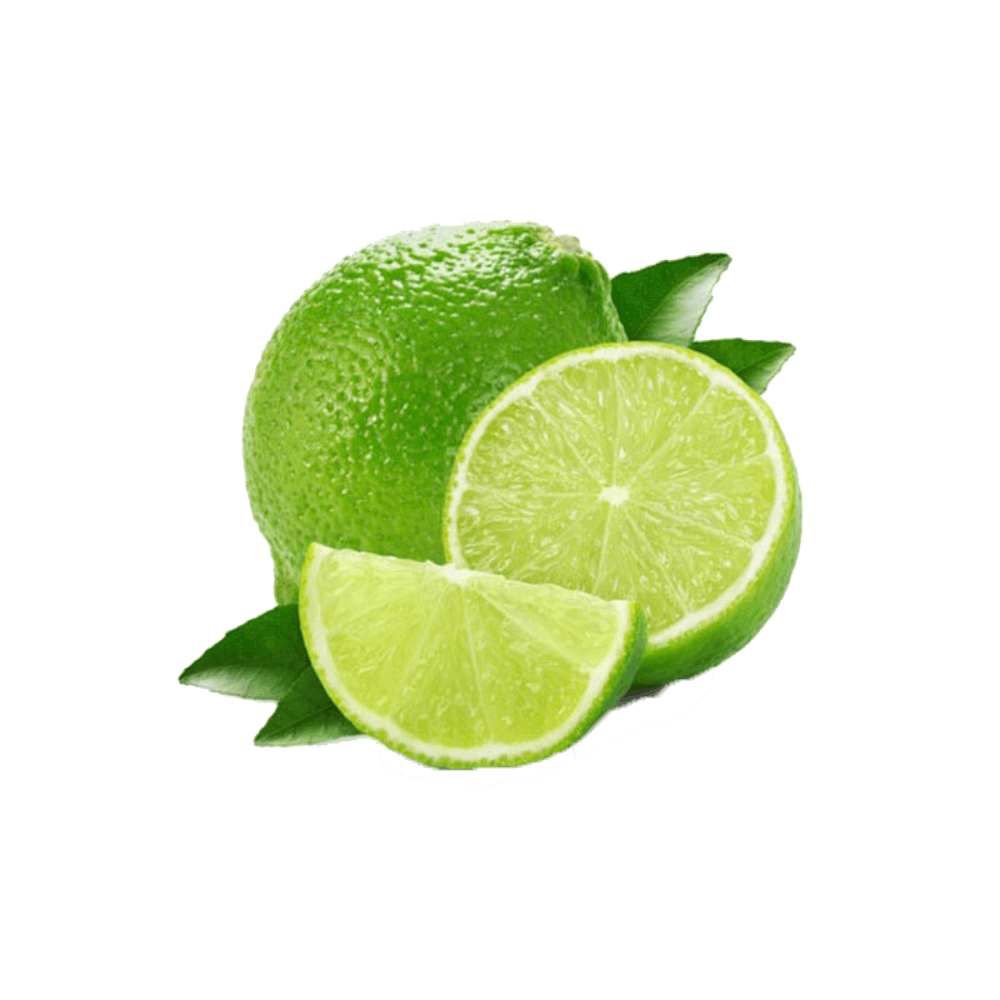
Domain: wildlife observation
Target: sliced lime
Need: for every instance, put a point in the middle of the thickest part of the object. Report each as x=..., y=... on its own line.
x=640, y=471
x=456, y=668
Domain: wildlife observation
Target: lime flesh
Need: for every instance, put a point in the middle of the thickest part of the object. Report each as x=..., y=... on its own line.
x=456, y=668
x=371, y=380
x=639, y=471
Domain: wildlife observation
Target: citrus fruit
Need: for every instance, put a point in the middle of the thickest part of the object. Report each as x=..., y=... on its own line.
x=641, y=471
x=462, y=669
x=363, y=394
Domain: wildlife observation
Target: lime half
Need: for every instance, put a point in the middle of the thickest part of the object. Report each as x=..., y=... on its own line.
x=641, y=471
x=456, y=668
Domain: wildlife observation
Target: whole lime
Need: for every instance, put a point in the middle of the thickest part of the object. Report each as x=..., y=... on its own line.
x=364, y=393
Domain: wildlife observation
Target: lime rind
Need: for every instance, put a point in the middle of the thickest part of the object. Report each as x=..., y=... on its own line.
x=364, y=391
x=704, y=636
x=609, y=678
x=696, y=650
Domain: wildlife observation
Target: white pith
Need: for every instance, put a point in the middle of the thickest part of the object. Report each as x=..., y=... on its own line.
x=717, y=376
x=327, y=670
x=614, y=495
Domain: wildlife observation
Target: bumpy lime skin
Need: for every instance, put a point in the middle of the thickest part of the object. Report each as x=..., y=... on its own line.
x=714, y=641
x=364, y=392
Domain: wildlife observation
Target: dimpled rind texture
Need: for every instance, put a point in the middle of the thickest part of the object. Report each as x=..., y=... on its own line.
x=365, y=390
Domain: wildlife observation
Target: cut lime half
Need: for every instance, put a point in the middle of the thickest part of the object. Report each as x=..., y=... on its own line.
x=640, y=471
x=456, y=668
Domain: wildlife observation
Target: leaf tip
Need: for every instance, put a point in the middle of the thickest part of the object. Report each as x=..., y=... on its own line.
x=188, y=676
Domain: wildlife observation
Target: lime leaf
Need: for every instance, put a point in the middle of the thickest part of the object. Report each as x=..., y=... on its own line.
x=305, y=714
x=266, y=659
x=755, y=361
x=666, y=301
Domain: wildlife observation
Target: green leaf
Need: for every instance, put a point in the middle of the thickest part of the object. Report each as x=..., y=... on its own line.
x=755, y=361
x=265, y=658
x=666, y=301
x=305, y=714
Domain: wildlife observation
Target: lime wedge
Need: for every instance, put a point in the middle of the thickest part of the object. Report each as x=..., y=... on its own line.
x=456, y=668
x=641, y=471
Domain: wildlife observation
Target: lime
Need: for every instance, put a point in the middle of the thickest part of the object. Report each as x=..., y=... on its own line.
x=640, y=471
x=462, y=669
x=364, y=392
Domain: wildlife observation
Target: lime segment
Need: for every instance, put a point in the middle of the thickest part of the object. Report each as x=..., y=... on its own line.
x=457, y=668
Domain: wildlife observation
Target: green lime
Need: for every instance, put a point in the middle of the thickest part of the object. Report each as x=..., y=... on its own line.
x=640, y=471
x=364, y=392
x=462, y=669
